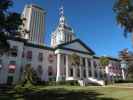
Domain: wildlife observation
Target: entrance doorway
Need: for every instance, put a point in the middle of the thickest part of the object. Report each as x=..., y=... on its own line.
x=9, y=80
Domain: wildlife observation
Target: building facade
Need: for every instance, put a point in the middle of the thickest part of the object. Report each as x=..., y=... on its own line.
x=56, y=64
x=68, y=58
x=34, y=23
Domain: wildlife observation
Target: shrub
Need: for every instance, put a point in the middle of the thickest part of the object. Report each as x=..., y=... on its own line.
x=69, y=83
x=124, y=81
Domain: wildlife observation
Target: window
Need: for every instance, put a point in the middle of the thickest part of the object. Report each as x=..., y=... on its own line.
x=9, y=80
x=29, y=55
x=12, y=66
x=40, y=57
x=50, y=71
x=13, y=51
x=51, y=58
x=71, y=72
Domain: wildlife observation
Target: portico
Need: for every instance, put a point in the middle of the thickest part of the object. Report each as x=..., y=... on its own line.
x=67, y=69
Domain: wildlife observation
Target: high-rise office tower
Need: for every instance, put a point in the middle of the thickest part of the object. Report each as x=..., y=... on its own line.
x=34, y=23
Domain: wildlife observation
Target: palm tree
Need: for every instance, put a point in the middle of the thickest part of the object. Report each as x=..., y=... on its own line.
x=124, y=15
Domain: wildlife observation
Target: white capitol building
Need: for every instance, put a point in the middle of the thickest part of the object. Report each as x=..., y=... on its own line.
x=56, y=62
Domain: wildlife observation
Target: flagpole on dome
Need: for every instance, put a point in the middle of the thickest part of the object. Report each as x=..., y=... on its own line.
x=62, y=8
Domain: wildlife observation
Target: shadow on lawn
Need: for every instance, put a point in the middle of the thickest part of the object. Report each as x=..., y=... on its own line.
x=53, y=94
x=62, y=94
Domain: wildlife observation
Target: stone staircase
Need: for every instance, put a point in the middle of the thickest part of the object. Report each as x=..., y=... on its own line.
x=91, y=81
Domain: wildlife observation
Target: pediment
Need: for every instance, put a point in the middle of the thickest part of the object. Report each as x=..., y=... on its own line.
x=77, y=45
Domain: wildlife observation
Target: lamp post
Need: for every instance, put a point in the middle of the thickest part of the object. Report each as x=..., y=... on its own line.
x=124, y=66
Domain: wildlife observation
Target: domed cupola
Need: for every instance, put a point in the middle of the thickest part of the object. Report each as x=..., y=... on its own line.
x=63, y=33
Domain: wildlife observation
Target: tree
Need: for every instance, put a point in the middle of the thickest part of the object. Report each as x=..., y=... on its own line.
x=104, y=61
x=9, y=24
x=124, y=15
x=128, y=57
x=30, y=76
x=75, y=59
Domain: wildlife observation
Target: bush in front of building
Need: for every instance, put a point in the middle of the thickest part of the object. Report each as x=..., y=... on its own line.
x=124, y=81
x=20, y=90
x=67, y=83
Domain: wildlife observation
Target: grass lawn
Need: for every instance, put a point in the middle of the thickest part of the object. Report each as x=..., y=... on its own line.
x=70, y=93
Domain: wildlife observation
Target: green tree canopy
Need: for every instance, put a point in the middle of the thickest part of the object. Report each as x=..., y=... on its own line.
x=104, y=61
x=124, y=15
x=75, y=59
x=9, y=23
x=127, y=56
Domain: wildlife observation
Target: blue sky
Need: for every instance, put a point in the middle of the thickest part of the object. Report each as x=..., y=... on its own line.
x=93, y=22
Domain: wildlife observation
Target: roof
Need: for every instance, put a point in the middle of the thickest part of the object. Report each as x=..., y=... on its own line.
x=76, y=40
x=17, y=39
x=36, y=6
x=110, y=58
x=26, y=43
x=38, y=46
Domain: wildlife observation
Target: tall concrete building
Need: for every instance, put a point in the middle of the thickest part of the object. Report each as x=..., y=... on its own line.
x=34, y=23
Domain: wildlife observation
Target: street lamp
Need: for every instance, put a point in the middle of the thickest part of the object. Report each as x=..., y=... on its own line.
x=124, y=66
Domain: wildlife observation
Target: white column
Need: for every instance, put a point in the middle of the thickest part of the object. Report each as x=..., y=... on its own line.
x=67, y=67
x=92, y=68
x=86, y=67
x=123, y=74
x=81, y=71
x=74, y=71
x=58, y=77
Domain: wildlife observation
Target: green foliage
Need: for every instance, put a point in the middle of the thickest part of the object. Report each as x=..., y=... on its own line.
x=128, y=57
x=123, y=81
x=75, y=59
x=30, y=76
x=9, y=24
x=67, y=83
x=20, y=90
x=104, y=61
x=124, y=14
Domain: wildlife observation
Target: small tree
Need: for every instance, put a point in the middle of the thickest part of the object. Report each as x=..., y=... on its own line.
x=75, y=59
x=128, y=57
x=104, y=61
x=30, y=76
